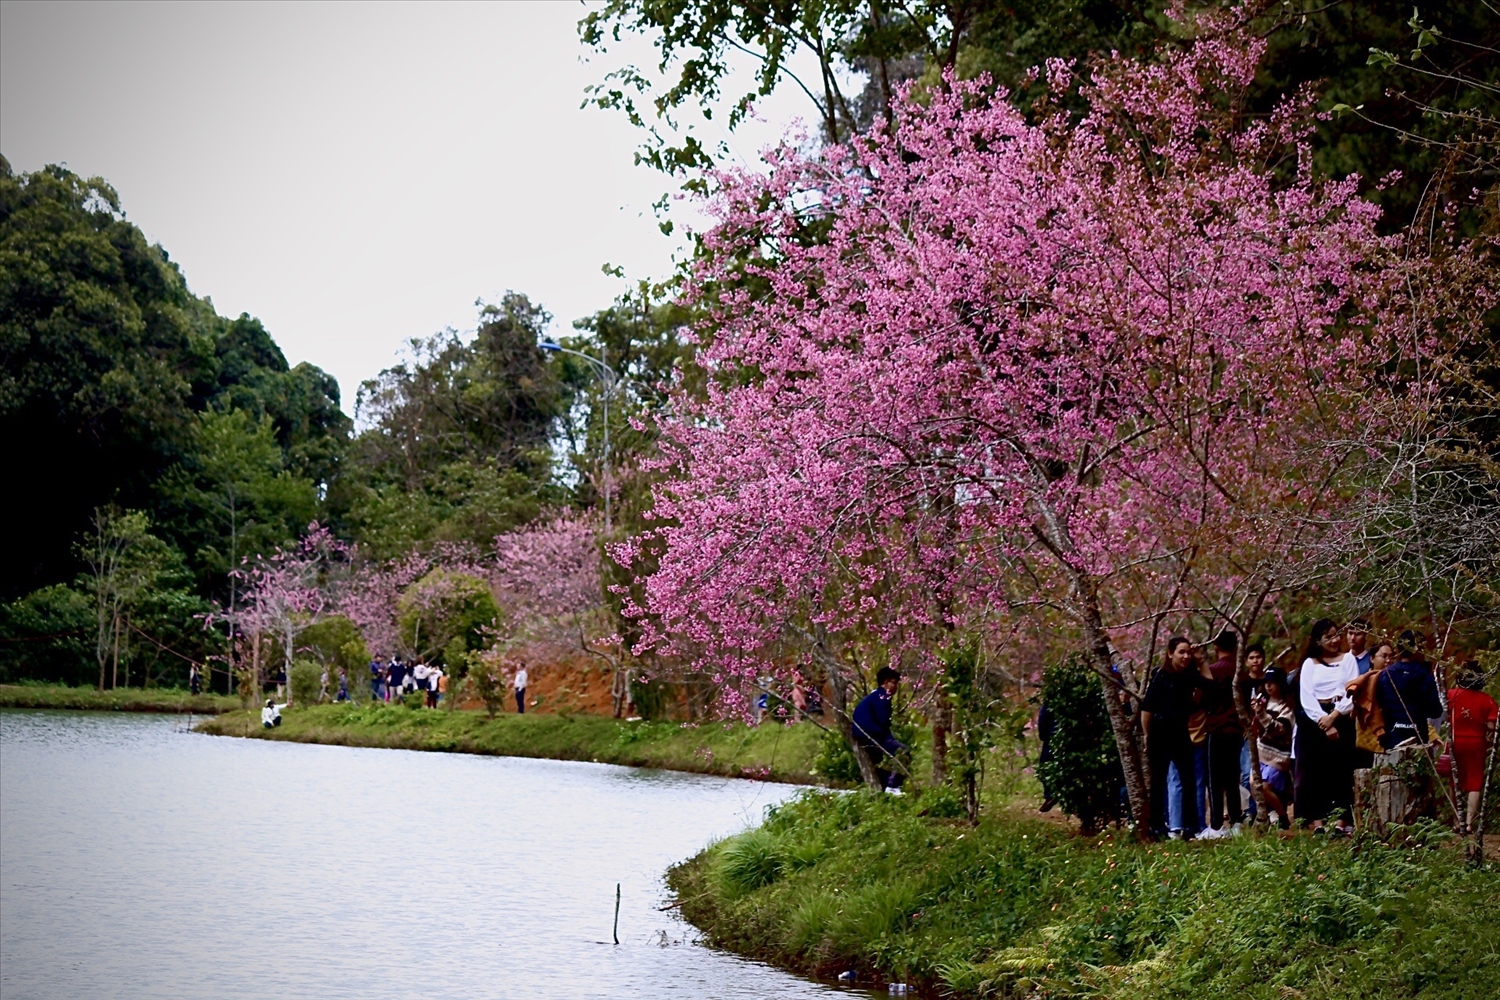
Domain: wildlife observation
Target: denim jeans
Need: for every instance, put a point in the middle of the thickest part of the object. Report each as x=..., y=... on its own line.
x=1245, y=779
x=1191, y=824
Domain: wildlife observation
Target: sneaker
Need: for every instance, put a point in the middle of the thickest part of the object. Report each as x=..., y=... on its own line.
x=1237, y=830
x=1210, y=833
x=1046, y=806
x=1174, y=835
x=1273, y=818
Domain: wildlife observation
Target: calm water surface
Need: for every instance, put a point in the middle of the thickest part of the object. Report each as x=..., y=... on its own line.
x=141, y=860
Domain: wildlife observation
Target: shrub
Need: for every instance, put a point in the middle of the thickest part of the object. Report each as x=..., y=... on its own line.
x=445, y=605
x=490, y=686
x=1083, y=774
x=307, y=676
x=749, y=861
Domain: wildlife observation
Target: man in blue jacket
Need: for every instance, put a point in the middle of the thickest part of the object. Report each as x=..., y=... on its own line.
x=872, y=727
x=1407, y=694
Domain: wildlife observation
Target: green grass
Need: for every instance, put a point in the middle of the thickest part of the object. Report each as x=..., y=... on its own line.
x=1018, y=907
x=772, y=751
x=115, y=700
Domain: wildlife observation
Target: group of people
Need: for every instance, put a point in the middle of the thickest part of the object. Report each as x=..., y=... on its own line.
x=394, y=680
x=1313, y=725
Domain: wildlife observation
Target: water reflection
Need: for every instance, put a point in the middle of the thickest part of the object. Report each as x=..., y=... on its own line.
x=140, y=860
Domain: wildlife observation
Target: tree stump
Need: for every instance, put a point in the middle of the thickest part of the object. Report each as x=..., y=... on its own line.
x=1397, y=790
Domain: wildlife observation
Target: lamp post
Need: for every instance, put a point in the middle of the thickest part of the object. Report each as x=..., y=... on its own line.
x=607, y=379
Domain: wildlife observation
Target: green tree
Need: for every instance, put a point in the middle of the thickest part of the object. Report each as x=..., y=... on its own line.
x=233, y=498
x=459, y=440
x=445, y=606
x=108, y=359
x=1418, y=88
x=99, y=359
x=126, y=564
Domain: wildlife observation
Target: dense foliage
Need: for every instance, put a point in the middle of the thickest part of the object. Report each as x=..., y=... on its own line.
x=182, y=454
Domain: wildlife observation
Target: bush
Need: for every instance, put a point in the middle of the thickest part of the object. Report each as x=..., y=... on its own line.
x=749, y=861
x=490, y=686
x=445, y=605
x=306, y=680
x=1083, y=774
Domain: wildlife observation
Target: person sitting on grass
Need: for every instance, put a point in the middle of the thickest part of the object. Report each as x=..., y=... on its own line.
x=872, y=728
x=270, y=716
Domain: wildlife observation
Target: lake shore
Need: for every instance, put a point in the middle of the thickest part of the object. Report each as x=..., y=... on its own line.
x=771, y=752
x=1020, y=907
x=166, y=700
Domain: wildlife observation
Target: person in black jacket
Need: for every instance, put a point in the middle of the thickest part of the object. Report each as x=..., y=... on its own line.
x=872, y=727
x=1407, y=695
x=1164, y=717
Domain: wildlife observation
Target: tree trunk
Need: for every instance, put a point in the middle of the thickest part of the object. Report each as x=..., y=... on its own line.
x=942, y=723
x=839, y=697
x=287, y=661
x=114, y=676
x=1122, y=723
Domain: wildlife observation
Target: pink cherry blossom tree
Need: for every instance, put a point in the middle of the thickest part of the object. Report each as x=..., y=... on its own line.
x=289, y=592
x=1112, y=367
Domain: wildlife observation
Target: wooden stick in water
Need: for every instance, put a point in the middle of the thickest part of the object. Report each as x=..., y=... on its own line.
x=617, y=913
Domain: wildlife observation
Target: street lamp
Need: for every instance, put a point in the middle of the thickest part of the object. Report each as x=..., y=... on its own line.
x=607, y=378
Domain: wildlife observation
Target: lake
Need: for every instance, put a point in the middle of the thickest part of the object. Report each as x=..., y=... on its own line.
x=138, y=859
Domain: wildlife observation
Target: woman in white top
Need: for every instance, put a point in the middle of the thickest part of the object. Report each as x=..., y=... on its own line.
x=1325, y=736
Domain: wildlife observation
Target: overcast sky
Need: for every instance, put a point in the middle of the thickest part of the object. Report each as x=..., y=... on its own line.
x=352, y=174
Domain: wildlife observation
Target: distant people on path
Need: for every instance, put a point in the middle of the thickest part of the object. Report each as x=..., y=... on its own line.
x=395, y=679
x=270, y=716
x=1407, y=695
x=442, y=685
x=419, y=674
x=377, y=680
x=520, y=682
x=434, y=675
x=343, y=694
x=1324, y=746
x=195, y=680
x=872, y=728
x=1474, y=716
x=1224, y=737
x=1168, y=703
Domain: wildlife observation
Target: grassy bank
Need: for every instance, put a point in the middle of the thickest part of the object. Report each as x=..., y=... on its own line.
x=773, y=752
x=115, y=700
x=1018, y=907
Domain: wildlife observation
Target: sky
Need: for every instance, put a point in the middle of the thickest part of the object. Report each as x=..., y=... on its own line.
x=354, y=174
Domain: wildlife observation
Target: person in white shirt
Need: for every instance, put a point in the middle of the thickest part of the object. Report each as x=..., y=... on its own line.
x=270, y=716
x=520, y=684
x=1325, y=734
x=434, y=678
